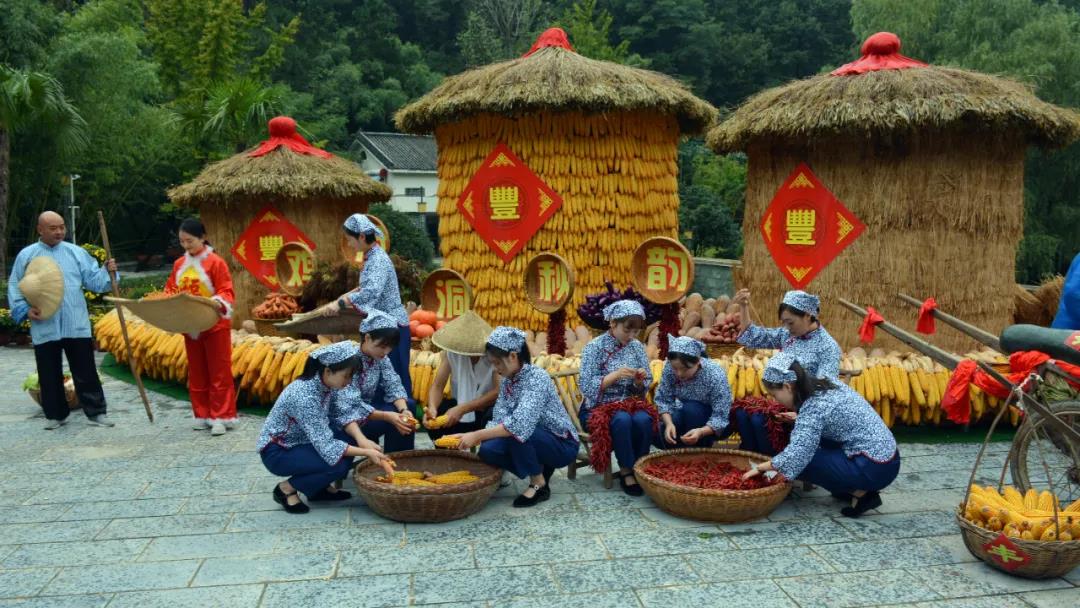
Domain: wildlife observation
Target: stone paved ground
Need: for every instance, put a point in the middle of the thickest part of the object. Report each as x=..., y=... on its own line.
x=159, y=515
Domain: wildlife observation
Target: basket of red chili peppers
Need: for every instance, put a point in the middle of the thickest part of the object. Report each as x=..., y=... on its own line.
x=706, y=484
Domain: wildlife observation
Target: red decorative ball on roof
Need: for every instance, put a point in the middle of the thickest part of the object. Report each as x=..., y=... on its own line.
x=881, y=43
x=283, y=133
x=282, y=126
x=554, y=36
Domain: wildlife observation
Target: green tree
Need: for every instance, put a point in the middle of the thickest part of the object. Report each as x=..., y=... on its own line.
x=33, y=99
x=590, y=34
x=25, y=29
x=406, y=238
x=236, y=112
x=711, y=199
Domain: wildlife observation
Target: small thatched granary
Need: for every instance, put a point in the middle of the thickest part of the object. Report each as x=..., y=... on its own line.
x=930, y=158
x=603, y=136
x=313, y=189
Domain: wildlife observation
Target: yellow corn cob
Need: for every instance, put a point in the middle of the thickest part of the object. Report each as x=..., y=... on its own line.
x=438, y=422
x=447, y=441
x=1046, y=501
x=1031, y=499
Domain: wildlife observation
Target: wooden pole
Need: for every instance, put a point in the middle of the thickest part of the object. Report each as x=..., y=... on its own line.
x=943, y=357
x=123, y=326
x=980, y=335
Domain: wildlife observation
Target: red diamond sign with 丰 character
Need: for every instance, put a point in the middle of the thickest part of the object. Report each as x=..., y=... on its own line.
x=805, y=227
x=258, y=246
x=506, y=203
x=1006, y=553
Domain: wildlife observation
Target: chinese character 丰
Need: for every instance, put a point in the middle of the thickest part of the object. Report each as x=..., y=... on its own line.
x=504, y=203
x=800, y=226
x=269, y=246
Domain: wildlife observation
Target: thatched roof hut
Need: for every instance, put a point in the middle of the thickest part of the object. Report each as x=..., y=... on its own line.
x=603, y=136
x=312, y=189
x=930, y=158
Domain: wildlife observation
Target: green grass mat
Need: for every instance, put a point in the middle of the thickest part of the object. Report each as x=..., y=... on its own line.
x=111, y=368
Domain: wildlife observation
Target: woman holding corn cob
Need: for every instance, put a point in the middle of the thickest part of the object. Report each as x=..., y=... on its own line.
x=694, y=398
x=613, y=382
x=530, y=434
x=201, y=272
x=312, y=433
x=382, y=397
x=473, y=382
x=838, y=442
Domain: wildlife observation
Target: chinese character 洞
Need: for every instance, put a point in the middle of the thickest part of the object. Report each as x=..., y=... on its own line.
x=269, y=246
x=554, y=283
x=668, y=268
x=800, y=226
x=452, y=300
x=300, y=267
x=504, y=203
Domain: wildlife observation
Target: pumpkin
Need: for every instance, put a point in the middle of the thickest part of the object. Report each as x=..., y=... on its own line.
x=423, y=330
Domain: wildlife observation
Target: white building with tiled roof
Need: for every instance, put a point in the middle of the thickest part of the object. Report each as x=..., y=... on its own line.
x=405, y=163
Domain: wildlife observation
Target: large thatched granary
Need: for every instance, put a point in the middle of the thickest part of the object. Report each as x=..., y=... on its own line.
x=603, y=136
x=314, y=190
x=930, y=158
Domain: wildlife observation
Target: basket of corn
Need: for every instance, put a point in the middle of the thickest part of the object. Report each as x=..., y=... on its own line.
x=427, y=486
x=706, y=484
x=1026, y=534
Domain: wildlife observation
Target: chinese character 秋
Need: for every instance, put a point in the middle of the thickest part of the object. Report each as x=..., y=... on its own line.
x=300, y=266
x=668, y=268
x=554, y=283
x=452, y=301
x=800, y=226
x=269, y=246
x=504, y=203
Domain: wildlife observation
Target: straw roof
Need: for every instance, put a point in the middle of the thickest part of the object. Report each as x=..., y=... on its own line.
x=280, y=173
x=555, y=79
x=895, y=102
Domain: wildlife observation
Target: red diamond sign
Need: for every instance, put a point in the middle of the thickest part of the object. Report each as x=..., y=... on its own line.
x=506, y=203
x=258, y=246
x=805, y=227
x=1006, y=553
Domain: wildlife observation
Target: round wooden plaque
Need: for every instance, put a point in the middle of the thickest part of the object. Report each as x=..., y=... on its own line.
x=549, y=282
x=663, y=270
x=294, y=264
x=447, y=293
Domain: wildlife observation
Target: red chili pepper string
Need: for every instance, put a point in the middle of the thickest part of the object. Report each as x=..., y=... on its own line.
x=705, y=474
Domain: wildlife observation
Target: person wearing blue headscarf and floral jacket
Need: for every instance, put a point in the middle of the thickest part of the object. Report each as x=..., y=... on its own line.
x=693, y=398
x=838, y=442
x=800, y=334
x=530, y=433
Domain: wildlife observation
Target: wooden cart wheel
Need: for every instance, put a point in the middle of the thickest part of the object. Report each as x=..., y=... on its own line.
x=1036, y=442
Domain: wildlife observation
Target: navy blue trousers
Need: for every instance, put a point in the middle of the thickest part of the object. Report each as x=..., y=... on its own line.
x=393, y=441
x=753, y=435
x=631, y=435
x=692, y=415
x=543, y=451
x=306, y=470
x=399, y=359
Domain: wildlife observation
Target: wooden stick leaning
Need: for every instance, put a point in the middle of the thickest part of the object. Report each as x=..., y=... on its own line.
x=123, y=326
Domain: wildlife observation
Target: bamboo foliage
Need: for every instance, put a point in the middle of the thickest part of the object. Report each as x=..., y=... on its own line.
x=617, y=174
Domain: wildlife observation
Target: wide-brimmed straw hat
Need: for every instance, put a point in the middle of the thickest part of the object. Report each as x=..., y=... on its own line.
x=466, y=335
x=182, y=313
x=43, y=285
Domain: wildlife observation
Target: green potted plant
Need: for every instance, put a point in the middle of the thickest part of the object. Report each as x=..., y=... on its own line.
x=21, y=334
x=7, y=326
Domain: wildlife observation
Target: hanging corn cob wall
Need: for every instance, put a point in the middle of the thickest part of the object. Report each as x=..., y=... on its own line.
x=617, y=176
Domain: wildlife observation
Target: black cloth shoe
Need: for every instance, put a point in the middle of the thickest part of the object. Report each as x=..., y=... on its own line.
x=632, y=490
x=843, y=496
x=282, y=499
x=870, y=500
x=542, y=493
x=326, y=495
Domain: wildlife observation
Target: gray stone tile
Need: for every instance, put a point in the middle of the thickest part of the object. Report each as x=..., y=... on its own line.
x=59, y=601
x=615, y=499
x=749, y=564
x=901, y=525
x=741, y=594
x=851, y=589
x=806, y=507
x=610, y=599
x=665, y=542
x=1059, y=598
x=927, y=500
x=986, y=601
x=481, y=584
x=87, y=553
x=664, y=520
x=464, y=530
x=123, y=577
x=88, y=493
x=402, y=559
x=786, y=534
x=901, y=553
x=171, y=525
x=239, y=503
x=191, y=488
x=114, y=509
x=587, y=522
x=1074, y=576
x=361, y=515
x=280, y=520
x=613, y=575
x=502, y=506
x=20, y=534
x=23, y=515
x=539, y=550
x=22, y=583
x=168, y=475
x=233, y=544
x=364, y=592
x=347, y=538
x=264, y=569
x=243, y=596
x=974, y=579
x=253, y=470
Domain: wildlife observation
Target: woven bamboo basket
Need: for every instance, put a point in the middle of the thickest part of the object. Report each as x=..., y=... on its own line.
x=1048, y=559
x=716, y=351
x=69, y=393
x=267, y=327
x=724, y=506
x=428, y=504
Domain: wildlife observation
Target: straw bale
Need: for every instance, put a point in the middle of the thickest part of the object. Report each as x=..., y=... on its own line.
x=943, y=216
x=559, y=80
x=1029, y=309
x=1049, y=294
x=895, y=104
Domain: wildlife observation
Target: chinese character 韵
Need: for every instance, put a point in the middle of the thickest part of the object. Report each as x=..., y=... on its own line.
x=668, y=268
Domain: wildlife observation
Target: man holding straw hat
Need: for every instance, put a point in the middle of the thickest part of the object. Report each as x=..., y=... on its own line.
x=46, y=286
x=474, y=383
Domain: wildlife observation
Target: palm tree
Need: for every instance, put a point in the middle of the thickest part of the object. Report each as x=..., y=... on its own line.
x=33, y=98
x=234, y=112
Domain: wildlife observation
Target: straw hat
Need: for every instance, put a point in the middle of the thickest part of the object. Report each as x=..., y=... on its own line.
x=43, y=285
x=466, y=335
x=181, y=313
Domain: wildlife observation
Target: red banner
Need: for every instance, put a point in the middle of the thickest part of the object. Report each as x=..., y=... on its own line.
x=506, y=203
x=805, y=227
x=258, y=246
